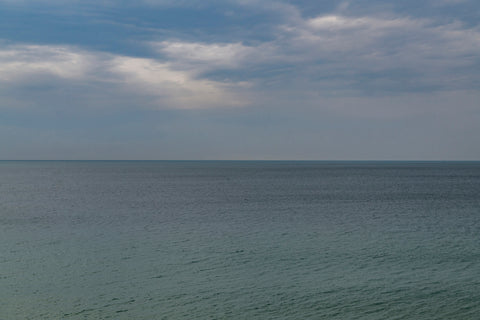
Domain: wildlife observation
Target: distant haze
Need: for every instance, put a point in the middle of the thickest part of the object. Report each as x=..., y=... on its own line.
x=240, y=79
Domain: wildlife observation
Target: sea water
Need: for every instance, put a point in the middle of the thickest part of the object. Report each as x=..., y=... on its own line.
x=239, y=240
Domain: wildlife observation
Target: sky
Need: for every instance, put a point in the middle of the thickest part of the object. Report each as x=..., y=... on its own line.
x=240, y=80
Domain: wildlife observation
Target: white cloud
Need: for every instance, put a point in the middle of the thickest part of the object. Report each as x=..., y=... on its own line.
x=337, y=34
x=403, y=51
x=17, y=62
x=179, y=89
x=198, y=57
x=230, y=55
x=373, y=34
x=337, y=23
x=158, y=83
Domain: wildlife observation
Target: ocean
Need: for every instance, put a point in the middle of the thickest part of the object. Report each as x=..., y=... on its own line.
x=239, y=240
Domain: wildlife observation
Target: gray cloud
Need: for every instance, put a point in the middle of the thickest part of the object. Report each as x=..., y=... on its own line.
x=357, y=55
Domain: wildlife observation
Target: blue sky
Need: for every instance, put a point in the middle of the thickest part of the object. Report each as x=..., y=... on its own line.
x=240, y=79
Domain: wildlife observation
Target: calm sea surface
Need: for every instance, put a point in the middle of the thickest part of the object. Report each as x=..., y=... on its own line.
x=239, y=240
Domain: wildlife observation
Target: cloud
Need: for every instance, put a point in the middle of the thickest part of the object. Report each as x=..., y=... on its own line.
x=155, y=84
x=178, y=89
x=200, y=57
x=330, y=54
x=405, y=54
x=394, y=35
x=308, y=57
x=20, y=61
x=227, y=55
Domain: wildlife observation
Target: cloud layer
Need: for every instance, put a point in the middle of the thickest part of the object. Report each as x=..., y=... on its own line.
x=268, y=69
x=324, y=54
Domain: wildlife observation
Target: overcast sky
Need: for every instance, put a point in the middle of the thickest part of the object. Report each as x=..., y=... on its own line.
x=240, y=79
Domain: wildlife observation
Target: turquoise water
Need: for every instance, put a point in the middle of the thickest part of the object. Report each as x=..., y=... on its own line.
x=239, y=240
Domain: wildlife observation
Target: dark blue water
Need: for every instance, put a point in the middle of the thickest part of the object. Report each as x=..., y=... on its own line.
x=239, y=240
